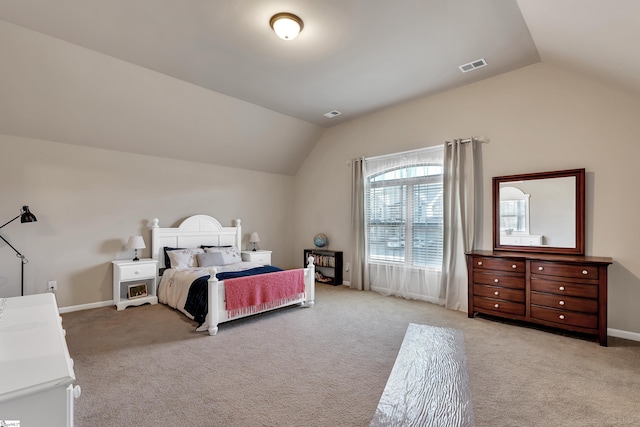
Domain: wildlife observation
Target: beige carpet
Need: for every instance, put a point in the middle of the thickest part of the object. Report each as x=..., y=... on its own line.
x=328, y=365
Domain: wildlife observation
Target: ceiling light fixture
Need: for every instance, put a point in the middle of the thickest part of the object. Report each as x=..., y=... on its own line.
x=287, y=26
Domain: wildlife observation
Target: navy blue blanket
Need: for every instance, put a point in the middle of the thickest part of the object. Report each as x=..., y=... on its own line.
x=197, y=304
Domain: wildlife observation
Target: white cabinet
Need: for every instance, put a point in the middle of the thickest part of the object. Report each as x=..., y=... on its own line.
x=261, y=257
x=520, y=240
x=128, y=274
x=36, y=371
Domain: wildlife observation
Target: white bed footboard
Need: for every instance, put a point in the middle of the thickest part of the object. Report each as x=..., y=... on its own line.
x=217, y=312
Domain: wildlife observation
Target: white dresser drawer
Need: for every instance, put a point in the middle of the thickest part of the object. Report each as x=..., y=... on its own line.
x=133, y=272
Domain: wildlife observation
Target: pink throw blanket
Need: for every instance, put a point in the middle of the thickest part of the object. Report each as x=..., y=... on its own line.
x=252, y=294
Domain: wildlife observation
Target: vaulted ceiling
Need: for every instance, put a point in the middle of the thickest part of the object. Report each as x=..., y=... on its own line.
x=353, y=56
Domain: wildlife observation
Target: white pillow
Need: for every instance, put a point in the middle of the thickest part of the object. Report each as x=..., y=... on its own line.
x=230, y=254
x=184, y=258
x=210, y=259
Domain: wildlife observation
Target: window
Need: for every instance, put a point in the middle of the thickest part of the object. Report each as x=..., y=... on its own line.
x=404, y=215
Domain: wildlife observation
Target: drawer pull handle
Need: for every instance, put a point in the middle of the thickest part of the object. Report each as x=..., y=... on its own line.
x=479, y=262
x=561, y=317
x=561, y=288
x=136, y=272
x=585, y=272
x=496, y=280
x=561, y=302
x=496, y=293
x=540, y=268
x=514, y=266
x=497, y=306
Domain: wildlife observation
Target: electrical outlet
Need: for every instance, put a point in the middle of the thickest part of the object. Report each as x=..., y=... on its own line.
x=346, y=267
x=53, y=285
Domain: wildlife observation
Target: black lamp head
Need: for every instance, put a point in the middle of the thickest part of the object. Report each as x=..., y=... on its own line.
x=26, y=215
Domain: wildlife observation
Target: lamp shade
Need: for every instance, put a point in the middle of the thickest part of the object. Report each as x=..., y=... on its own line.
x=27, y=216
x=136, y=242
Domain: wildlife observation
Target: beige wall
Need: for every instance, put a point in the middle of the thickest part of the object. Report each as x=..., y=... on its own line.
x=88, y=201
x=538, y=118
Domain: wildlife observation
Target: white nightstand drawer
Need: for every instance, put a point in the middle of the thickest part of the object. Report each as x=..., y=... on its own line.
x=128, y=272
x=261, y=257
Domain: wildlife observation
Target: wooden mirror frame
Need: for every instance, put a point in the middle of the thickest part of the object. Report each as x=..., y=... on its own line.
x=578, y=249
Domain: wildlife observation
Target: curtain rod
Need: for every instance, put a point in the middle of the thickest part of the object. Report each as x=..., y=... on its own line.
x=481, y=140
x=382, y=156
x=464, y=141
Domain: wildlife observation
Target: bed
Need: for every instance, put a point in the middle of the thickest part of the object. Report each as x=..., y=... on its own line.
x=206, y=233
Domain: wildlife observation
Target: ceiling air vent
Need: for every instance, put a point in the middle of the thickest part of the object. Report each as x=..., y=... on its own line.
x=332, y=114
x=465, y=68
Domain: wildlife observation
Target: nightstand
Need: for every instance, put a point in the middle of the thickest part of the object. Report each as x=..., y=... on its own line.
x=261, y=257
x=134, y=274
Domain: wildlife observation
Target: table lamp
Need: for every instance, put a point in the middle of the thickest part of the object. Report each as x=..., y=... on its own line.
x=253, y=241
x=136, y=242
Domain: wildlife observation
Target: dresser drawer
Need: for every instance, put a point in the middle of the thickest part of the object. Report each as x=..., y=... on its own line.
x=584, y=305
x=133, y=272
x=498, y=306
x=563, y=317
x=491, y=278
x=564, y=270
x=498, y=293
x=564, y=288
x=503, y=264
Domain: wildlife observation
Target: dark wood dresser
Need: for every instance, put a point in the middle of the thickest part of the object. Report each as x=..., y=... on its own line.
x=567, y=292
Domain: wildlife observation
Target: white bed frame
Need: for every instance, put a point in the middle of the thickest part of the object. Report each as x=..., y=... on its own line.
x=205, y=230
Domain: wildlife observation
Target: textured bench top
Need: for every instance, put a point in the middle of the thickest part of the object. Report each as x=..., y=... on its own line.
x=429, y=383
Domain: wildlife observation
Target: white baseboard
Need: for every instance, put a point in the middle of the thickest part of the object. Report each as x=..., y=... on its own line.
x=633, y=336
x=85, y=306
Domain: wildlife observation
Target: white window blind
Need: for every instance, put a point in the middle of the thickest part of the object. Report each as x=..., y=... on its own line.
x=404, y=209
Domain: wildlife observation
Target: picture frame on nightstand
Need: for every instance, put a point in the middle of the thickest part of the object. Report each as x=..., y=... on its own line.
x=137, y=290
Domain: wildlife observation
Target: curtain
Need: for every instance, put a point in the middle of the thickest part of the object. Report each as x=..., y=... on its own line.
x=403, y=278
x=444, y=283
x=359, y=272
x=460, y=157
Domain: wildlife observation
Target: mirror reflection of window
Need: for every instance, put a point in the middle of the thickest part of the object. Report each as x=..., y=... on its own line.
x=514, y=210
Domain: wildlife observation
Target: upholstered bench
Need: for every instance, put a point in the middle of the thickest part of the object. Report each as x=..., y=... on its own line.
x=429, y=383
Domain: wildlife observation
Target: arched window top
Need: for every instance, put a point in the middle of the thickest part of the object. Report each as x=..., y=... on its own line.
x=407, y=172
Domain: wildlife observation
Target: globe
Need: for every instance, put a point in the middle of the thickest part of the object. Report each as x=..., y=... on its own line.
x=321, y=240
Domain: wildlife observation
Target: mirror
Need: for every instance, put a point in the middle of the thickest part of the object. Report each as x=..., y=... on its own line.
x=540, y=212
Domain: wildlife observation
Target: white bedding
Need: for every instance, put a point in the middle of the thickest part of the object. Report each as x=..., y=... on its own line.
x=174, y=285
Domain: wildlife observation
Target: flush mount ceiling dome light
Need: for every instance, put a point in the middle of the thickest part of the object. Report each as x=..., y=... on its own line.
x=287, y=26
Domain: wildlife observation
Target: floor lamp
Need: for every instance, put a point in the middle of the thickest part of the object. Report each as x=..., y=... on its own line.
x=25, y=216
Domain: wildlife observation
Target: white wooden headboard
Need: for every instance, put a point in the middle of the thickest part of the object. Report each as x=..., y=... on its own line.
x=191, y=233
